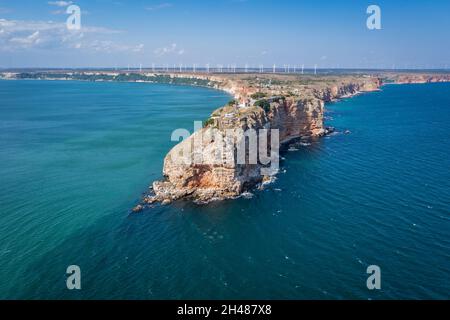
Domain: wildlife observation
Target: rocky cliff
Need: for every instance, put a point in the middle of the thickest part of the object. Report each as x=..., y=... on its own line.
x=206, y=167
x=419, y=78
x=214, y=163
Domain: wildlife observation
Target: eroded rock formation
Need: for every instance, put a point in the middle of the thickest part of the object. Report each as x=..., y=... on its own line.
x=205, y=166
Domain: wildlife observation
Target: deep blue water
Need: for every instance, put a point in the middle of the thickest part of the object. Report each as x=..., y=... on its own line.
x=75, y=157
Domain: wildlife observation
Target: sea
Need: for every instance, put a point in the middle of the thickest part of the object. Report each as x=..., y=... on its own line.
x=76, y=157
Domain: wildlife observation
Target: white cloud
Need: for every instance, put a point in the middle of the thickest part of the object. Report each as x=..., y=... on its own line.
x=172, y=49
x=139, y=48
x=14, y=26
x=58, y=12
x=18, y=35
x=64, y=12
x=60, y=3
x=28, y=41
x=160, y=6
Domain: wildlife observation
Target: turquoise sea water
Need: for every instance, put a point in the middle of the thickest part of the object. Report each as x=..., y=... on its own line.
x=76, y=156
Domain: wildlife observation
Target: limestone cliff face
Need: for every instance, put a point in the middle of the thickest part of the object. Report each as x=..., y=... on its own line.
x=204, y=167
x=345, y=90
x=300, y=118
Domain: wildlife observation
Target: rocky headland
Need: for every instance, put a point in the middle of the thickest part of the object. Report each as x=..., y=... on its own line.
x=205, y=167
x=292, y=105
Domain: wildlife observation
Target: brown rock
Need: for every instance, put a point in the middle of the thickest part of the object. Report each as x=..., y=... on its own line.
x=212, y=178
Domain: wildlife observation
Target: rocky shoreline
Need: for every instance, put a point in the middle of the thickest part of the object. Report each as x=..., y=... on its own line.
x=295, y=109
x=292, y=105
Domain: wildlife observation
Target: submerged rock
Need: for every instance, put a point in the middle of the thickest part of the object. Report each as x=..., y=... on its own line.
x=150, y=199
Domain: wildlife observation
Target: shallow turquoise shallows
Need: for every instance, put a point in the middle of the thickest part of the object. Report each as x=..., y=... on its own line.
x=75, y=157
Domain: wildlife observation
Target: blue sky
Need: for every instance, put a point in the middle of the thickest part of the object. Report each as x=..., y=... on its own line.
x=414, y=33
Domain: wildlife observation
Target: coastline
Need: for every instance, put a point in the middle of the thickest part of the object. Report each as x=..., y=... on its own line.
x=213, y=188
x=295, y=106
x=207, y=182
